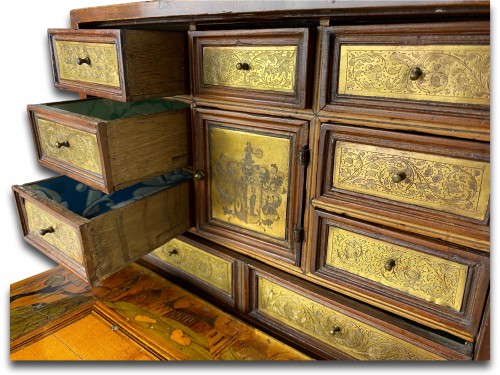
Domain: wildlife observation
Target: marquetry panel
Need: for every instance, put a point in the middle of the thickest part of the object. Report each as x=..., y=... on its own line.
x=69, y=145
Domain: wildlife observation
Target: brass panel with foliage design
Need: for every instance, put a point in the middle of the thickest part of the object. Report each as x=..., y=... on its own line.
x=62, y=236
x=457, y=186
x=250, y=179
x=421, y=275
x=268, y=67
x=446, y=73
x=205, y=266
x=342, y=332
x=81, y=149
x=102, y=67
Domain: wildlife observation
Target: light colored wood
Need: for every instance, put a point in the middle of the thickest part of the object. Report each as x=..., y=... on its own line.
x=147, y=146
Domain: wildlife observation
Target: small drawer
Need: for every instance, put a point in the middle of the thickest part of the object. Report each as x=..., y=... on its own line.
x=409, y=175
x=123, y=65
x=110, y=145
x=431, y=282
x=95, y=234
x=341, y=328
x=206, y=266
x=266, y=66
x=426, y=72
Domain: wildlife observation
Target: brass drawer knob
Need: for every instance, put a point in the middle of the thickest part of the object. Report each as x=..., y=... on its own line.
x=43, y=232
x=173, y=252
x=415, y=73
x=81, y=61
x=335, y=329
x=390, y=264
x=62, y=144
x=398, y=177
x=242, y=66
x=199, y=175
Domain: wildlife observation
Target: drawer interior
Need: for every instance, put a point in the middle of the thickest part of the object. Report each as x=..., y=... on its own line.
x=87, y=202
x=108, y=110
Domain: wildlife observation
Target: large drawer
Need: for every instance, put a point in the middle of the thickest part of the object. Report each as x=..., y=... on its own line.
x=426, y=73
x=409, y=177
x=338, y=327
x=207, y=267
x=266, y=66
x=95, y=234
x=110, y=145
x=119, y=64
x=434, y=283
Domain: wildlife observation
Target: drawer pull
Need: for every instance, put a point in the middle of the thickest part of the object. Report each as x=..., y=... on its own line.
x=43, y=232
x=390, y=264
x=415, y=73
x=242, y=66
x=62, y=144
x=335, y=329
x=173, y=252
x=199, y=175
x=81, y=61
x=398, y=177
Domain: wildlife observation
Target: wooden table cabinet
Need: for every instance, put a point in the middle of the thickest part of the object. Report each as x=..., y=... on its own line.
x=319, y=176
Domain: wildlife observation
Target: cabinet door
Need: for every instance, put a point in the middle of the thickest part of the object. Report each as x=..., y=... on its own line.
x=250, y=183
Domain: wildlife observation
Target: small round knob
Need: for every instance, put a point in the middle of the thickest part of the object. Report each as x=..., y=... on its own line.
x=242, y=66
x=335, y=330
x=44, y=231
x=389, y=265
x=199, y=175
x=62, y=144
x=81, y=61
x=398, y=177
x=415, y=73
x=173, y=252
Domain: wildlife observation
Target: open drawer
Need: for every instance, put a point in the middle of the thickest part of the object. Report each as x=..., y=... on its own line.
x=110, y=145
x=95, y=234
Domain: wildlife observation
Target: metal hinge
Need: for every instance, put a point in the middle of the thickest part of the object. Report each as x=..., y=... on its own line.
x=304, y=155
x=298, y=235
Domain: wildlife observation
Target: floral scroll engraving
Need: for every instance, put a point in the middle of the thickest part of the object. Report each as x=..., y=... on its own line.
x=207, y=267
x=250, y=180
x=103, y=67
x=353, y=337
x=452, y=185
x=455, y=74
x=82, y=152
x=269, y=68
x=425, y=276
x=64, y=238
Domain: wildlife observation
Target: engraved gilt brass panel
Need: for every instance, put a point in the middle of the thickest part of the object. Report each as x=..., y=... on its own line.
x=82, y=150
x=421, y=275
x=452, y=74
x=103, y=66
x=268, y=68
x=205, y=266
x=63, y=237
x=250, y=179
x=342, y=332
x=458, y=186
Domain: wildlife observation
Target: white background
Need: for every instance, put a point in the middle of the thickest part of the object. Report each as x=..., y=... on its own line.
x=26, y=78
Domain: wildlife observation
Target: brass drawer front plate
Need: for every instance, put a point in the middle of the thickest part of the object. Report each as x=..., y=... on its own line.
x=449, y=73
x=268, y=68
x=207, y=267
x=103, y=66
x=344, y=333
x=250, y=180
x=421, y=275
x=63, y=237
x=442, y=183
x=82, y=150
